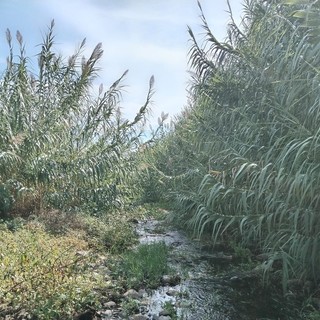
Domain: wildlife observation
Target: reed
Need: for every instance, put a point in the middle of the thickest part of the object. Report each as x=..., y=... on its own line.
x=61, y=143
x=249, y=170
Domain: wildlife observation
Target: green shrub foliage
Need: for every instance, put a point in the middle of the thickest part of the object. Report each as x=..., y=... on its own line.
x=44, y=276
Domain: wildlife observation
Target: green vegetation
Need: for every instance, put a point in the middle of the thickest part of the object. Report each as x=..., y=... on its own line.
x=61, y=144
x=64, y=150
x=241, y=163
x=241, y=253
x=48, y=277
x=112, y=233
x=130, y=306
x=171, y=310
x=144, y=267
x=54, y=264
x=315, y=315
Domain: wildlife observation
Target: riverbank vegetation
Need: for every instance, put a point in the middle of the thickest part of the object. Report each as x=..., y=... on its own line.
x=64, y=144
x=67, y=167
x=240, y=164
x=242, y=160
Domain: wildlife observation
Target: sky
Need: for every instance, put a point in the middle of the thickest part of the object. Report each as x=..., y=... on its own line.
x=147, y=37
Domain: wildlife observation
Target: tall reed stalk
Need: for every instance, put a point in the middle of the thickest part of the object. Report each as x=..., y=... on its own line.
x=249, y=169
x=61, y=143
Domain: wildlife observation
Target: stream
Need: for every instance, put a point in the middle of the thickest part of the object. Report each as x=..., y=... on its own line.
x=209, y=288
x=204, y=284
x=196, y=296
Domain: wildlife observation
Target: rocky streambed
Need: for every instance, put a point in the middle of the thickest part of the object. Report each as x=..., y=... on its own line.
x=190, y=289
x=203, y=285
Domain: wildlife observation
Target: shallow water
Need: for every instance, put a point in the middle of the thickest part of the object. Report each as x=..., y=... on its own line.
x=209, y=287
x=197, y=296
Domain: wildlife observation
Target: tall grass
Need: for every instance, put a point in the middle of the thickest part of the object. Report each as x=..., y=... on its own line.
x=61, y=143
x=249, y=170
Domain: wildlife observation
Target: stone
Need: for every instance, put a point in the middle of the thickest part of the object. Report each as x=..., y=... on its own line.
x=106, y=314
x=172, y=292
x=87, y=315
x=144, y=302
x=164, y=318
x=139, y=317
x=82, y=253
x=133, y=220
x=110, y=304
x=142, y=292
x=171, y=280
x=131, y=293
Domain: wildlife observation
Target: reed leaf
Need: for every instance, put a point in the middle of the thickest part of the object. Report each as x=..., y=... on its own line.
x=252, y=131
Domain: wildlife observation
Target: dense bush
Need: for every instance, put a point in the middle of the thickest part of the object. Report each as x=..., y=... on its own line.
x=61, y=144
x=244, y=157
x=45, y=276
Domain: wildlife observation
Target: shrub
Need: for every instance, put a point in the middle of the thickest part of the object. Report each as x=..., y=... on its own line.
x=111, y=232
x=48, y=277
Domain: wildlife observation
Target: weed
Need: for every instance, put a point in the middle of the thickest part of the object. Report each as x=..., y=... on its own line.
x=145, y=266
x=45, y=275
x=241, y=253
x=119, y=234
x=130, y=306
x=171, y=310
